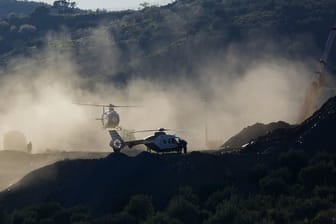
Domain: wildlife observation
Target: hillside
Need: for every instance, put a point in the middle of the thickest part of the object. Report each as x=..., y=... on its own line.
x=14, y=165
x=251, y=133
x=286, y=163
x=18, y=7
x=108, y=183
x=190, y=31
x=316, y=133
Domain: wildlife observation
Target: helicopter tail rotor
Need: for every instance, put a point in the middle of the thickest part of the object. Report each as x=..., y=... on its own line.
x=117, y=143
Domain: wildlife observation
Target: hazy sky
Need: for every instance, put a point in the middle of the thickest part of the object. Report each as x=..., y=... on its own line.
x=112, y=4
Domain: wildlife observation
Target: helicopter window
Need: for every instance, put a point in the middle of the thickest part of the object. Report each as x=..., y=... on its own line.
x=164, y=141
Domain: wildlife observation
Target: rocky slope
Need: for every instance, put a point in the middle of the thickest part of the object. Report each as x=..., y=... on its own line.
x=317, y=132
x=251, y=133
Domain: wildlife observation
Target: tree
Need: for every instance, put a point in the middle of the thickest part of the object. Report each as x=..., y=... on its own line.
x=64, y=6
x=140, y=207
x=41, y=11
x=218, y=197
x=225, y=213
x=317, y=174
x=73, y=5
x=4, y=217
x=4, y=26
x=27, y=29
x=162, y=218
x=273, y=185
x=123, y=218
x=294, y=160
x=60, y=4
x=144, y=5
x=183, y=210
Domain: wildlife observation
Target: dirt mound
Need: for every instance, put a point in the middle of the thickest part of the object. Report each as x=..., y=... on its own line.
x=252, y=133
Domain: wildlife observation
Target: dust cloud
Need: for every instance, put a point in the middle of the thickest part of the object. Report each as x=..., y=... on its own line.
x=38, y=95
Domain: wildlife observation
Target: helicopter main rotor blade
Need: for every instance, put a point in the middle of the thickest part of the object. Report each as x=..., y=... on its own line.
x=142, y=131
x=151, y=130
x=91, y=105
x=125, y=106
x=161, y=130
x=103, y=105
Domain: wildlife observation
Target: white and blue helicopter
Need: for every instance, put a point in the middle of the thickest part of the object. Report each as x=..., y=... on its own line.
x=160, y=142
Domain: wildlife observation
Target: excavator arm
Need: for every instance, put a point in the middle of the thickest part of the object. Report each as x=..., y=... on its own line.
x=313, y=92
x=328, y=46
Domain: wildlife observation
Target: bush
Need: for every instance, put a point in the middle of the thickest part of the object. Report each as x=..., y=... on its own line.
x=324, y=192
x=123, y=218
x=279, y=216
x=317, y=174
x=225, y=213
x=219, y=197
x=140, y=207
x=40, y=12
x=62, y=217
x=188, y=194
x=182, y=209
x=27, y=29
x=258, y=172
x=162, y=218
x=273, y=185
x=4, y=26
x=294, y=160
x=325, y=217
x=27, y=216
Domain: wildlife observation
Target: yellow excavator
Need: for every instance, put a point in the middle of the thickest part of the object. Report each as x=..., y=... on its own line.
x=313, y=92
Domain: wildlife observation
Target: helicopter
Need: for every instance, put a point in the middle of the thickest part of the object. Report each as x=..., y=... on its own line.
x=160, y=142
x=109, y=118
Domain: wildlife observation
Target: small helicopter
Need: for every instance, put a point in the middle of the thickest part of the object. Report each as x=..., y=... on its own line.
x=109, y=118
x=160, y=142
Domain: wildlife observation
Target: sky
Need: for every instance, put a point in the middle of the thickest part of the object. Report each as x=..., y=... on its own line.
x=113, y=4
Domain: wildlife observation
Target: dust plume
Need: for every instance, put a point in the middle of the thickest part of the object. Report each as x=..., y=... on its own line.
x=38, y=95
x=37, y=100
x=222, y=100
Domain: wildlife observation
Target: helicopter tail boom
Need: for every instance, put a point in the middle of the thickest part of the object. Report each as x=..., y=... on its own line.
x=117, y=143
